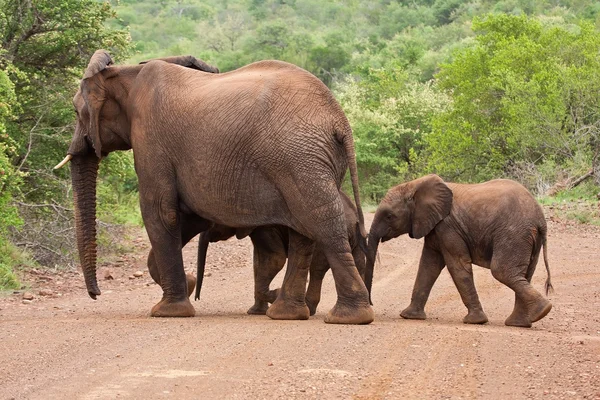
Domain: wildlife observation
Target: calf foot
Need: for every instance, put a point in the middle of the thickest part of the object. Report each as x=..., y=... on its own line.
x=411, y=312
x=191, y=283
x=272, y=295
x=475, y=316
x=259, y=308
x=181, y=308
x=350, y=314
x=312, y=307
x=282, y=309
x=540, y=310
x=519, y=320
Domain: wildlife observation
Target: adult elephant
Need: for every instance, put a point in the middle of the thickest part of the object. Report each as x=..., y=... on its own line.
x=266, y=144
x=497, y=224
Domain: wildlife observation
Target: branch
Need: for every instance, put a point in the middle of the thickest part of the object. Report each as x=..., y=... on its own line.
x=30, y=142
x=35, y=29
x=582, y=178
x=54, y=206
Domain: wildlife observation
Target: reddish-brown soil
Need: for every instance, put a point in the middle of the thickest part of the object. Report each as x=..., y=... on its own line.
x=66, y=346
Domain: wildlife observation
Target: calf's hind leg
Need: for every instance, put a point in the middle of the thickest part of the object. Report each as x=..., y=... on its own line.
x=530, y=305
x=270, y=253
x=290, y=303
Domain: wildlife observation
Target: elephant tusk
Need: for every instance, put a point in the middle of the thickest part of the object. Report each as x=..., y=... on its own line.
x=63, y=162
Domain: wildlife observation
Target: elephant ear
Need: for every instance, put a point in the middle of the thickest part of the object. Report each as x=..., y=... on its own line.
x=433, y=201
x=188, y=62
x=94, y=94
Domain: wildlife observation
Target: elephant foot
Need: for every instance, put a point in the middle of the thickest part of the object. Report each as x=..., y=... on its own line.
x=476, y=316
x=312, y=307
x=259, y=308
x=355, y=315
x=191, y=283
x=541, y=309
x=518, y=320
x=281, y=309
x=411, y=312
x=272, y=295
x=182, y=308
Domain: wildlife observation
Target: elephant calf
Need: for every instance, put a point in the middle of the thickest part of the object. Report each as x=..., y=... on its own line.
x=271, y=252
x=496, y=225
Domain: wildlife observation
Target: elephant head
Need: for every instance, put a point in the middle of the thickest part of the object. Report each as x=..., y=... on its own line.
x=414, y=207
x=102, y=126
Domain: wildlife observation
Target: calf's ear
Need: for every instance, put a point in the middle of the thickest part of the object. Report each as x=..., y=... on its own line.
x=433, y=201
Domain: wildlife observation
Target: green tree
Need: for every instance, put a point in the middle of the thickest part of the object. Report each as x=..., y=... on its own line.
x=526, y=93
x=44, y=47
x=390, y=114
x=10, y=181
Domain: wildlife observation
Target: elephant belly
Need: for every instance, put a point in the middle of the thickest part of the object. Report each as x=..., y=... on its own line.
x=246, y=200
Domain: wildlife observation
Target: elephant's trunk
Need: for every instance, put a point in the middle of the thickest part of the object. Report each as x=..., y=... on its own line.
x=374, y=240
x=378, y=230
x=84, y=172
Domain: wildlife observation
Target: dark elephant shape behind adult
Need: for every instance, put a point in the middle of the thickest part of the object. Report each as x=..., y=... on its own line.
x=497, y=225
x=266, y=144
x=270, y=254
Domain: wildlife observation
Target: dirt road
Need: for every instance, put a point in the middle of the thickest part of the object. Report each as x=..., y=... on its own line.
x=71, y=347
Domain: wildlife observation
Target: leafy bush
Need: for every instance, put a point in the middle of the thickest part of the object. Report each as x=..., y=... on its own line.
x=527, y=92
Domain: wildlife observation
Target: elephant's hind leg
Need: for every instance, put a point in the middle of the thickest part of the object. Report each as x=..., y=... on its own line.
x=320, y=213
x=352, y=306
x=530, y=305
x=269, y=258
x=318, y=269
x=290, y=303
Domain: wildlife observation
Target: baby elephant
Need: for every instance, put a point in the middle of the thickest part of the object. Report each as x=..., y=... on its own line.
x=271, y=252
x=496, y=225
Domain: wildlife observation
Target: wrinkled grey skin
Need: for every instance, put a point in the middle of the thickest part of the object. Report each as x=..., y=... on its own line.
x=497, y=225
x=266, y=144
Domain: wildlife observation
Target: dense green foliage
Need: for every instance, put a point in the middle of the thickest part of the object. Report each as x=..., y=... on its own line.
x=514, y=95
x=9, y=181
x=526, y=96
x=471, y=90
x=44, y=47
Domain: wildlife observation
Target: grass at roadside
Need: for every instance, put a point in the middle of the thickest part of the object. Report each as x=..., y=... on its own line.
x=11, y=260
x=580, y=204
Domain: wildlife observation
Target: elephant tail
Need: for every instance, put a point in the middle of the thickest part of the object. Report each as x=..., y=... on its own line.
x=344, y=136
x=548, y=286
x=201, y=261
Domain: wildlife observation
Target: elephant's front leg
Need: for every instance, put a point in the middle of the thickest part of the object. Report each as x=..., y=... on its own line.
x=191, y=225
x=430, y=266
x=161, y=216
x=290, y=303
x=461, y=272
